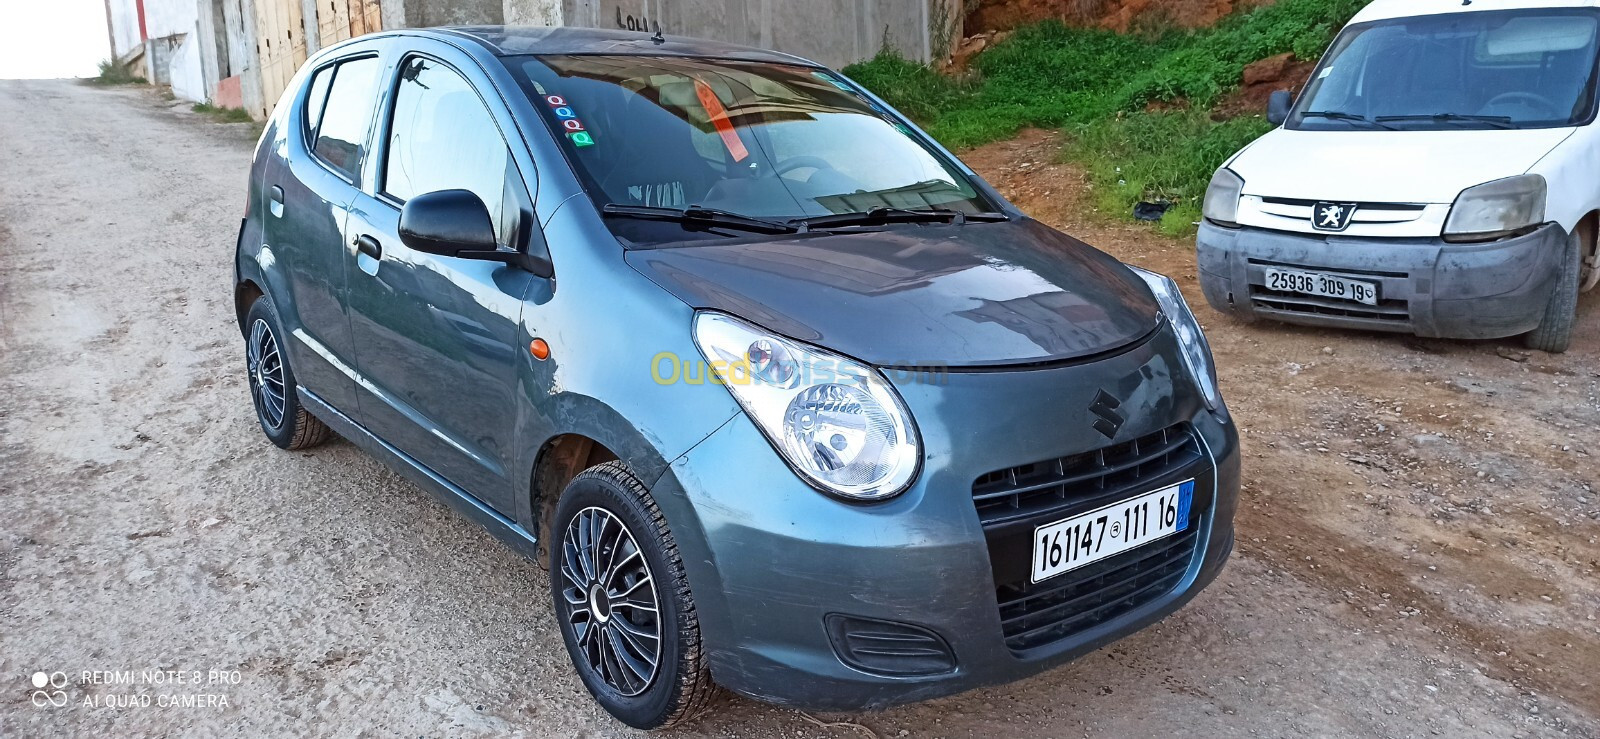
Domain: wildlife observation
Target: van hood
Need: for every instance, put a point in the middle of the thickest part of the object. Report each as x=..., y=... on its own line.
x=1387, y=166
x=983, y=294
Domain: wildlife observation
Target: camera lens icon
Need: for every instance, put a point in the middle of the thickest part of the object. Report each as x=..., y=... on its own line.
x=48, y=689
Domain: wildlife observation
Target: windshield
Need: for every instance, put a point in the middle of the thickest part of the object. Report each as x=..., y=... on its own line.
x=1489, y=69
x=760, y=140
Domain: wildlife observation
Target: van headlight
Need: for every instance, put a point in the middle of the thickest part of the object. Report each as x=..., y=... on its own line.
x=1196, y=351
x=1496, y=209
x=835, y=421
x=1221, y=204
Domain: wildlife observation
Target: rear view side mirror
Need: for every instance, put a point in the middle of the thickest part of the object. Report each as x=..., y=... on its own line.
x=455, y=223
x=1278, y=107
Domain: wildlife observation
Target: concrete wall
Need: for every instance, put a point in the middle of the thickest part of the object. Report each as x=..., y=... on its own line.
x=834, y=32
x=124, y=16
x=422, y=13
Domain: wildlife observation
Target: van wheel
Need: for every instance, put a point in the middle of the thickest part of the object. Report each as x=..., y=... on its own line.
x=623, y=602
x=272, y=387
x=1554, y=333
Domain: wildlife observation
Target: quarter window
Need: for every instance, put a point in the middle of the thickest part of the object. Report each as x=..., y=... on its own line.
x=315, y=99
x=443, y=138
x=347, y=116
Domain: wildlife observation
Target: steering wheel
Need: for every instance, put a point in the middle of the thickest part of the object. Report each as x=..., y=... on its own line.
x=801, y=162
x=1530, y=99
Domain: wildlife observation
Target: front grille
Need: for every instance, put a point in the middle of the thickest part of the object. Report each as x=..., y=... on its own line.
x=1013, y=501
x=1109, y=474
x=1396, y=311
x=1032, y=615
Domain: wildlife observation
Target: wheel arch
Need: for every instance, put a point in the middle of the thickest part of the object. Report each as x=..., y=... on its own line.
x=245, y=294
x=560, y=459
x=1589, y=227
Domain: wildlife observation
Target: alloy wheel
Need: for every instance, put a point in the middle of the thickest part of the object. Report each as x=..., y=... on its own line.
x=266, y=373
x=610, y=601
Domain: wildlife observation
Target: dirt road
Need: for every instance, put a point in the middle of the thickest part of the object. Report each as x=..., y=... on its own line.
x=1418, y=536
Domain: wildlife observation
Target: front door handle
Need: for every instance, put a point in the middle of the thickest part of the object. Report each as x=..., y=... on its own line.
x=369, y=246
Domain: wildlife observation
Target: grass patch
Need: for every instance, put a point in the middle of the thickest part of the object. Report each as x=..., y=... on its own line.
x=112, y=73
x=1098, y=85
x=1158, y=157
x=223, y=115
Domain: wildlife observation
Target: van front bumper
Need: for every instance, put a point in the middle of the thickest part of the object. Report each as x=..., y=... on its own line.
x=786, y=579
x=1427, y=287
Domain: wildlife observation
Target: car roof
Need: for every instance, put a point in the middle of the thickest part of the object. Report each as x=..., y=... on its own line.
x=1386, y=9
x=520, y=40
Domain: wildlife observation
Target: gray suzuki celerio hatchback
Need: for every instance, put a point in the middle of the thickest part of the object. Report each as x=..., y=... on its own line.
x=785, y=397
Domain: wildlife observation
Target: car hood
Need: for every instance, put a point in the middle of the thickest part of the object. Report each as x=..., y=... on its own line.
x=983, y=294
x=1387, y=166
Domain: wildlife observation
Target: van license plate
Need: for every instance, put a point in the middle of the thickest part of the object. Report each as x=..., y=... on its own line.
x=1067, y=545
x=1322, y=286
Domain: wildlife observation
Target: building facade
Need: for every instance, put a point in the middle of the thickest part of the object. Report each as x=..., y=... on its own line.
x=242, y=53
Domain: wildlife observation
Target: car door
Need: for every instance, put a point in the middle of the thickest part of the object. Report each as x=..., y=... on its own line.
x=309, y=187
x=437, y=338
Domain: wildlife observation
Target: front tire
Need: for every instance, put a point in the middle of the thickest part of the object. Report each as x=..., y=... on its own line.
x=620, y=594
x=1554, y=333
x=272, y=386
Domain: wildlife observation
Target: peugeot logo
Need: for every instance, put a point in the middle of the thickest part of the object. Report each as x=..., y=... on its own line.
x=1104, y=408
x=1332, y=216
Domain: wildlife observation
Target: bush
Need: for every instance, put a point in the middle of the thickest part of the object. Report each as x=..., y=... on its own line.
x=112, y=73
x=1099, y=86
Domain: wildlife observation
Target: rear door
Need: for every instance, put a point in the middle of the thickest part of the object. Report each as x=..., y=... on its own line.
x=307, y=192
x=437, y=338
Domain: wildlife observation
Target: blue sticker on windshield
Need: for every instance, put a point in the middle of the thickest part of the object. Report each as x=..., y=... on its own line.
x=832, y=81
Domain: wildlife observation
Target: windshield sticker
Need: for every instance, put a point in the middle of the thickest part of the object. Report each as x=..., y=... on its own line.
x=836, y=83
x=570, y=125
x=719, y=118
x=1325, y=71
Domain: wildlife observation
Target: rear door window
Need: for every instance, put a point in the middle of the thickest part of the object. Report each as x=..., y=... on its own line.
x=341, y=141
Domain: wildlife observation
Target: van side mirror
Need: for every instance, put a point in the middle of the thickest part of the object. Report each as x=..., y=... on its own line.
x=455, y=223
x=1278, y=107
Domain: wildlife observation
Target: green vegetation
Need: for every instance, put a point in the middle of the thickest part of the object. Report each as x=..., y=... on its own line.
x=112, y=73
x=223, y=115
x=1106, y=90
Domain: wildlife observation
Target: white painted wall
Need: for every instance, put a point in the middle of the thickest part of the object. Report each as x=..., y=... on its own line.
x=187, y=73
x=124, y=26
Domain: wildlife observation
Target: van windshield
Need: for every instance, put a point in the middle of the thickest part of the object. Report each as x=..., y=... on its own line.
x=1475, y=70
x=738, y=139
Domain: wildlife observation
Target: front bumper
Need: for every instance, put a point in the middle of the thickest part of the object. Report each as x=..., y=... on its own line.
x=770, y=560
x=1425, y=286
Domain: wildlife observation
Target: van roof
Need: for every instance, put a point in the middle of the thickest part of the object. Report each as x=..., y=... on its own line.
x=1386, y=9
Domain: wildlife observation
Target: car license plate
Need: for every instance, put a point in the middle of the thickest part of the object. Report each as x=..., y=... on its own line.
x=1066, y=545
x=1322, y=286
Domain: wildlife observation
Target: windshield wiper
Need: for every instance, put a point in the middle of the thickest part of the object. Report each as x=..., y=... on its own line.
x=1497, y=121
x=697, y=215
x=1339, y=115
x=886, y=214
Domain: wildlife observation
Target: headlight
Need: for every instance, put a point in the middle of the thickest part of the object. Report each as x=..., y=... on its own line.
x=1222, y=197
x=837, y=422
x=1496, y=209
x=1196, y=352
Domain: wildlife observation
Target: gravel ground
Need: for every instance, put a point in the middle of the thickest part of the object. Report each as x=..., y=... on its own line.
x=1417, y=538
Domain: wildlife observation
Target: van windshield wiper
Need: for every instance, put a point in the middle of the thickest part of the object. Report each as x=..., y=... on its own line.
x=1497, y=121
x=697, y=215
x=885, y=214
x=1339, y=115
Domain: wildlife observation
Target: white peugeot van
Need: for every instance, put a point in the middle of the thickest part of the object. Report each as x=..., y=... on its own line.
x=1439, y=175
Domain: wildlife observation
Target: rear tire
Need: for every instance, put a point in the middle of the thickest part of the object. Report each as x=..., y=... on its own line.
x=272, y=385
x=616, y=581
x=1554, y=333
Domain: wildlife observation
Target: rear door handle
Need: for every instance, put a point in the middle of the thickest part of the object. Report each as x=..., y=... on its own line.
x=369, y=246
x=276, y=198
